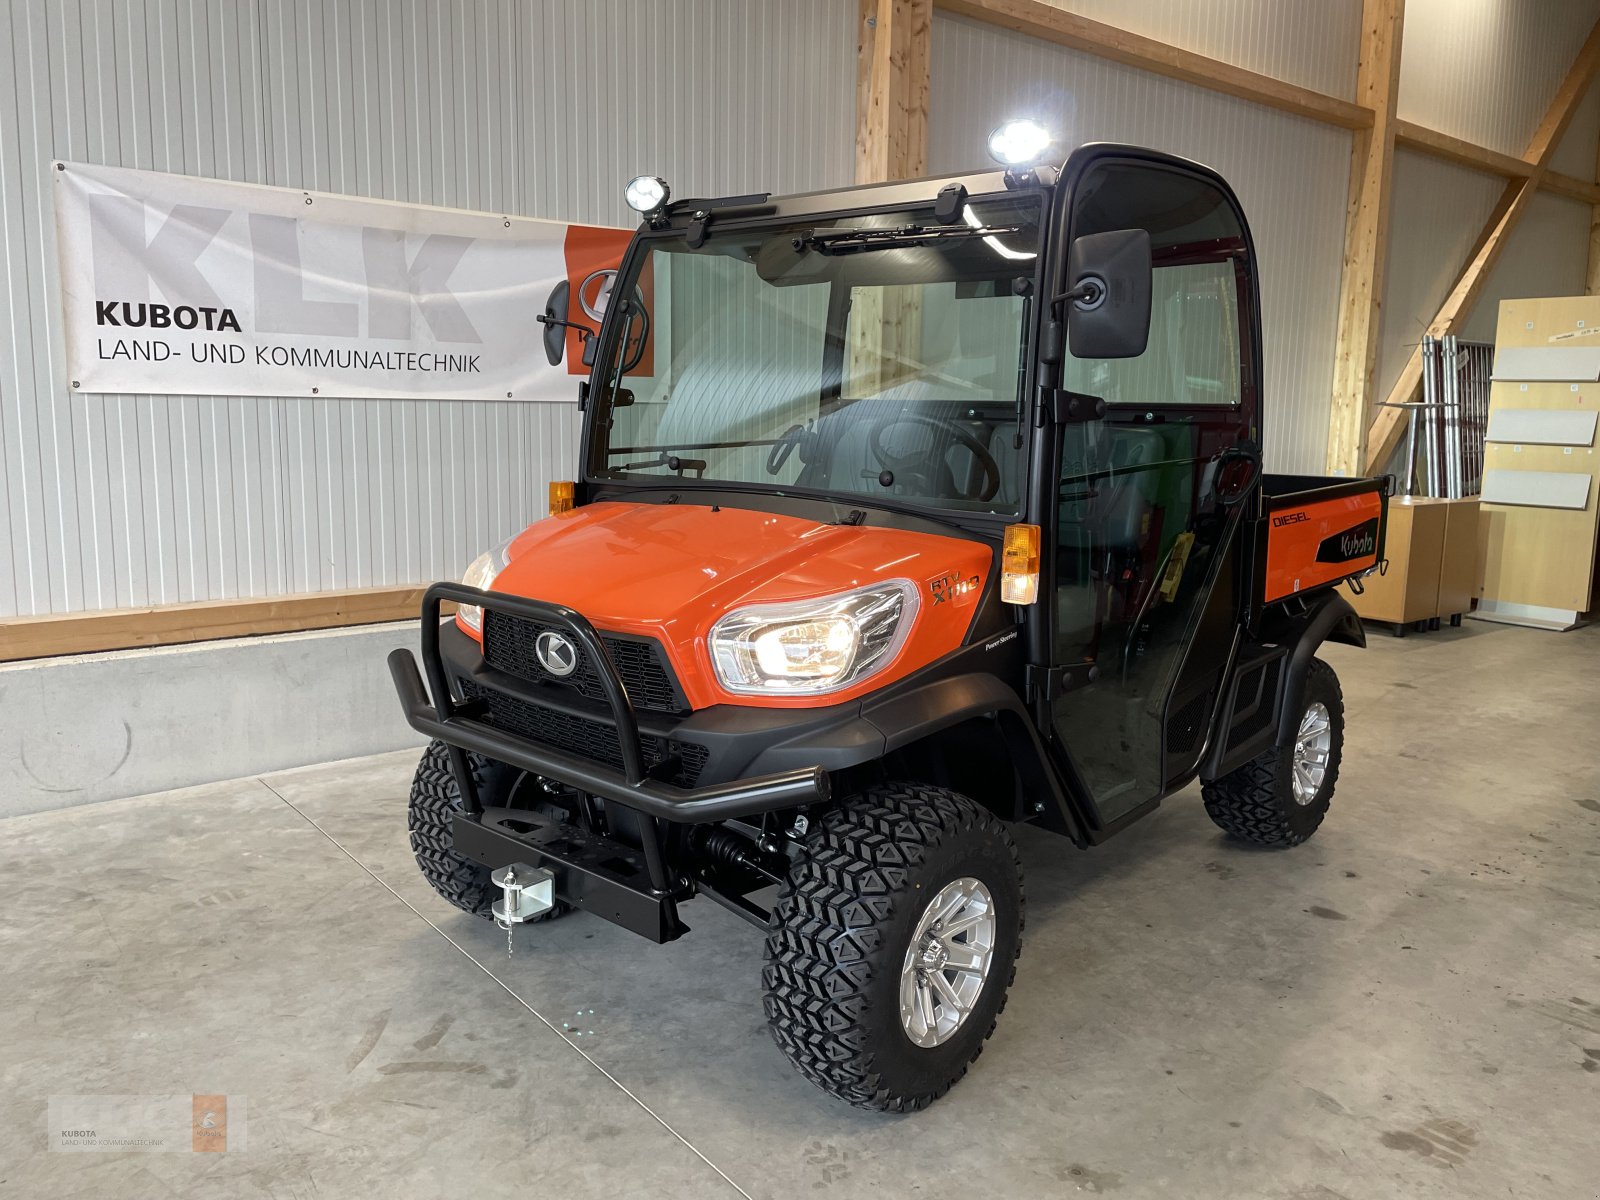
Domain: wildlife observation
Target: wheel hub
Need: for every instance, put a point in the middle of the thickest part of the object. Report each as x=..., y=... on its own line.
x=947, y=962
x=1313, y=744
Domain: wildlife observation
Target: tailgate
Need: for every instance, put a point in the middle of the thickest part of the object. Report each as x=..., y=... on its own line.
x=1315, y=531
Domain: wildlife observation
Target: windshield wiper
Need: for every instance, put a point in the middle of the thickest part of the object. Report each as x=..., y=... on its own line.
x=857, y=241
x=671, y=462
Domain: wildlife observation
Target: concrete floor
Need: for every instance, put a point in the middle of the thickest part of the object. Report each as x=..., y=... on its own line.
x=1407, y=1006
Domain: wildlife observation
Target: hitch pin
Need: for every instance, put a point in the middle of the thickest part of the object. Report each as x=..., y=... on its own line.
x=525, y=893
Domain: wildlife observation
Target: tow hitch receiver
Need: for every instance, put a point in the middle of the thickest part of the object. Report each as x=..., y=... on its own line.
x=569, y=865
x=525, y=893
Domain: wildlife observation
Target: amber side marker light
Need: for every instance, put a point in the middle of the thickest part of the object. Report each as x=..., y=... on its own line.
x=1019, y=565
x=561, y=494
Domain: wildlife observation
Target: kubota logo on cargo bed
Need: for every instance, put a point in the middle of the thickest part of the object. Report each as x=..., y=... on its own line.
x=1359, y=541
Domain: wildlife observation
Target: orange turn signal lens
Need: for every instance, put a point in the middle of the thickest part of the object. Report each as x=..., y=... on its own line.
x=1019, y=565
x=562, y=492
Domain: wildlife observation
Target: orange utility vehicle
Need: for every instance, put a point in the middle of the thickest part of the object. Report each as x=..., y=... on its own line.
x=904, y=513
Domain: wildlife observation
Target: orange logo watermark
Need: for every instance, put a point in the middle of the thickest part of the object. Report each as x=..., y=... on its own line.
x=209, y=1132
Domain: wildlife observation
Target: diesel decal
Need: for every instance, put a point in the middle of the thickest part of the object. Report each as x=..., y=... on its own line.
x=948, y=587
x=1281, y=519
x=1360, y=541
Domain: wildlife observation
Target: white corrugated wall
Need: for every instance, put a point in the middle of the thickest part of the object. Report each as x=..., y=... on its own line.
x=1292, y=176
x=1486, y=72
x=1436, y=213
x=1313, y=43
x=536, y=109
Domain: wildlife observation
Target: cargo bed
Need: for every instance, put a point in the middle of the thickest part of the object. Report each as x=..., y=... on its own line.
x=1315, y=531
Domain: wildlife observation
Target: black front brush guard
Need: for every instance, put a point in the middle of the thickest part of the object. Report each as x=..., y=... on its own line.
x=452, y=723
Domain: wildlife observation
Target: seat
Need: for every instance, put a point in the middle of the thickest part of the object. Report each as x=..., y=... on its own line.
x=843, y=460
x=1128, y=490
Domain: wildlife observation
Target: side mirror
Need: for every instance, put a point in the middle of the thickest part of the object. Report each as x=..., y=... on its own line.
x=1109, y=294
x=555, y=322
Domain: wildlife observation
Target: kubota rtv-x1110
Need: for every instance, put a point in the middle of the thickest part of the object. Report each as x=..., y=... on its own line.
x=904, y=513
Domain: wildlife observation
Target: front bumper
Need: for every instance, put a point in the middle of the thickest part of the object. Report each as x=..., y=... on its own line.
x=455, y=724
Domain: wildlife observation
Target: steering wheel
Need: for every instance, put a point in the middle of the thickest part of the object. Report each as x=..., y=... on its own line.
x=926, y=465
x=792, y=438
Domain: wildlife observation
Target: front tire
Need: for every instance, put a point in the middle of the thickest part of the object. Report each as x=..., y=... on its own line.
x=435, y=800
x=1279, y=797
x=892, y=945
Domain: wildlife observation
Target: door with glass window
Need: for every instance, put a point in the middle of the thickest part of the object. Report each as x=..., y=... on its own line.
x=1148, y=496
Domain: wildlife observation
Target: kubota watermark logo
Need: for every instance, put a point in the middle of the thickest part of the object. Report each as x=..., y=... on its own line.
x=201, y=1123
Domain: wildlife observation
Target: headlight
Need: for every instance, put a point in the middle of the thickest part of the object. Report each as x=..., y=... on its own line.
x=814, y=646
x=481, y=573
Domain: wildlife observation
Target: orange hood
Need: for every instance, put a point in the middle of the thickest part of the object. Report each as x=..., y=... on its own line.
x=670, y=571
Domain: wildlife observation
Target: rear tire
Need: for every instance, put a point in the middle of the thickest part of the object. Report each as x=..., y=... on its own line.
x=435, y=800
x=1261, y=802
x=856, y=926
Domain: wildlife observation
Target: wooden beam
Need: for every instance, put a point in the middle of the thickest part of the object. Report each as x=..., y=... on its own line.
x=1384, y=433
x=1411, y=136
x=1366, y=239
x=1063, y=28
x=892, y=80
x=1571, y=186
x=204, y=621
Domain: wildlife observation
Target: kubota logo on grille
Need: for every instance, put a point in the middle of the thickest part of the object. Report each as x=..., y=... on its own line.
x=556, y=653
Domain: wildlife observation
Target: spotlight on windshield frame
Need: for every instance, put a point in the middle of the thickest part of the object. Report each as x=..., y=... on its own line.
x=1020, y=142
x=647, y=194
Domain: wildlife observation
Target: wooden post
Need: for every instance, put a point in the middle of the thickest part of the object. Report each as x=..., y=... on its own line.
x=1366, y=239
x=892, y=66
x=892, y=70
x=1384, y=433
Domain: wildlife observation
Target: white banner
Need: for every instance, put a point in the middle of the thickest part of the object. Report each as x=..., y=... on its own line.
x=175, y=284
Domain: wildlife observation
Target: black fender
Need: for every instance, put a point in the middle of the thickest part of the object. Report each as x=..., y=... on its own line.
x=1329, y=619
x=917, y=714
x=1271, y=670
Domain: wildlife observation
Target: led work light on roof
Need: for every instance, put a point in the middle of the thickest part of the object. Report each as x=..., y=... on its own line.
x=1019, y=143
x=647, y=194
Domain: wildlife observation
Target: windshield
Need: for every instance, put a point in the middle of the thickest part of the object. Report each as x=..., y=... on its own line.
x=874, y=356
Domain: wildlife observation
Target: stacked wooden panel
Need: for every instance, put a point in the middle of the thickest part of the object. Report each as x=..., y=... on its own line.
x=1541, y=487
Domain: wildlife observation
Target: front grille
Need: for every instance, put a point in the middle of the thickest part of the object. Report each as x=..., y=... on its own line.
x=591, y=739
x=508, y=645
